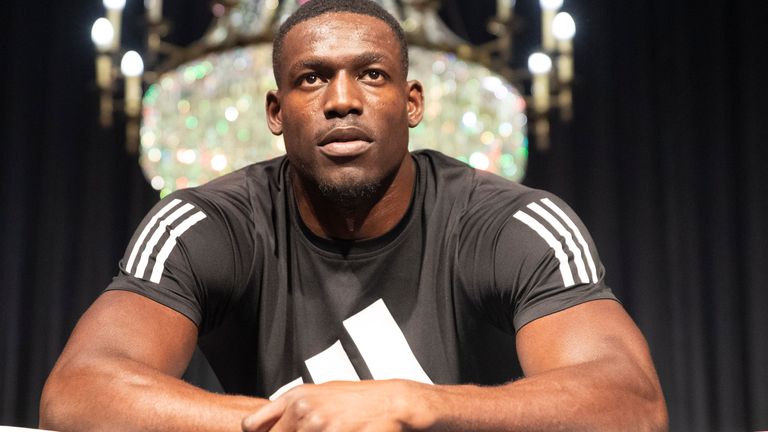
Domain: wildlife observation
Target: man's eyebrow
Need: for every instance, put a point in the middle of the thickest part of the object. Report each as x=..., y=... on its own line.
x=367, y=58
x=318, y=64
x=312, y=64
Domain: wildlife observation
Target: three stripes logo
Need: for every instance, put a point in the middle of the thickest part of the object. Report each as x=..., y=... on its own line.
x=560, y=226
x=180, y=218
x=380, y=342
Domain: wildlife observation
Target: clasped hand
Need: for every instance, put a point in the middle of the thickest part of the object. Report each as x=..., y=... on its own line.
x=339, y=406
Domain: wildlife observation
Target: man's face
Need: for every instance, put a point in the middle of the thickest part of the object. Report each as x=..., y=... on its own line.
x=343, y=104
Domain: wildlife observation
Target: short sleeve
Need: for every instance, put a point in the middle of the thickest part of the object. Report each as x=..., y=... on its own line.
x=545, y=261
x=184, y=255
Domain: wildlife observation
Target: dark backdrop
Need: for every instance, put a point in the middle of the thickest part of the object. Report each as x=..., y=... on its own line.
x=665, y=162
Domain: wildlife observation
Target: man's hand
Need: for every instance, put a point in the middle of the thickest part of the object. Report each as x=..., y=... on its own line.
x=339, y=406
x=587, y=368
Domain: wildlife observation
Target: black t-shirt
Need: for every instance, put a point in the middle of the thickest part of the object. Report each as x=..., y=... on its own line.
x=437, y=299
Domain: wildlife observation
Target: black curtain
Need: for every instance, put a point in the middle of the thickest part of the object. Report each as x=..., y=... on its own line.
x=665, y=162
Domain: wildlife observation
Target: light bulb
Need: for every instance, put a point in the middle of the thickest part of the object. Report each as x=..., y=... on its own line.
x=114, y=4
x=539, y=63
x=102, y=34
x=563, y=26
x=131, y=65
x=551, y=4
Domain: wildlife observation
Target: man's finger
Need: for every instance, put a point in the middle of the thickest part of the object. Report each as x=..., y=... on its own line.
x=263, y=419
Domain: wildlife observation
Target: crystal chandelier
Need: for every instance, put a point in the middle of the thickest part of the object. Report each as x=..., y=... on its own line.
x=202, y=112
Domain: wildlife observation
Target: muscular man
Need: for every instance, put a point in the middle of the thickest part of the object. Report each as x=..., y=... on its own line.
x=356, y=285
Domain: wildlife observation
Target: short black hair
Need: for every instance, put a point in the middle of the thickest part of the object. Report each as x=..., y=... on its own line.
x=315, y=8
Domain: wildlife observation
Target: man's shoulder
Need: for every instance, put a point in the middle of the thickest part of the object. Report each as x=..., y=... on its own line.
x=260, y=173
x=238, y=198
x=478, y=190
x=239, y=186
x=438, y=162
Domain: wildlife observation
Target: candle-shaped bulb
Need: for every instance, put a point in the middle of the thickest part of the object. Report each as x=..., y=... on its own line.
x=551, y=4
x=102, y=34
x=539, y=63
x=114, y=15
x=154, y=10
x=548, y=9
x=132, y=65
x=563, y=26
x=504, y=9
x=114, y=4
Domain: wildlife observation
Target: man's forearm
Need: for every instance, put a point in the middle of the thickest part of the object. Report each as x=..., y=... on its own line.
x=597, y=395
x=126, y=395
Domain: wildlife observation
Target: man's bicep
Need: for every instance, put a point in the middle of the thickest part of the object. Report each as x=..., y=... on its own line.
x=126, y=325
x=597, y=330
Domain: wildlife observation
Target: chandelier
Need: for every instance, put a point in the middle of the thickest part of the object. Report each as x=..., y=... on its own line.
x=196, y=112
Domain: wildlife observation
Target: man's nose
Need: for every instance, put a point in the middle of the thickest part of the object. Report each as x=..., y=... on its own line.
x=343, y=97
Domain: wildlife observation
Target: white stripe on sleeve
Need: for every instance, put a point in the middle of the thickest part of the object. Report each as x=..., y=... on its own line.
x=579, y=237
x=145, y=231
x=565, y=269
x=170, y=243
x=156, y=237
x=580, y=267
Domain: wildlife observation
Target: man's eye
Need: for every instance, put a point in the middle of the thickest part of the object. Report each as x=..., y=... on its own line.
x=373, y=74
x=309, y=79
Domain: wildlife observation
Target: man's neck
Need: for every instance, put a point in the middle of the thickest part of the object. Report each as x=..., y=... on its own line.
x=364, y=221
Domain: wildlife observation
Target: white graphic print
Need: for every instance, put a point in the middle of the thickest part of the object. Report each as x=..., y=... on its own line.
x=295, y=383
x=381, y=343
x=147, y=249
x=331, y=365
x=553, y=239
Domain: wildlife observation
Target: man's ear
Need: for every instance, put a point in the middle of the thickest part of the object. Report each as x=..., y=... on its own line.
x=274, y=114
x=415, y=103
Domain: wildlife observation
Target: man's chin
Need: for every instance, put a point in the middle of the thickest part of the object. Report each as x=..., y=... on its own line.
x=347, y=188
x=351, y=193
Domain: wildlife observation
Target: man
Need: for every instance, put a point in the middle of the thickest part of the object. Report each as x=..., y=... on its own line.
x=358, y=286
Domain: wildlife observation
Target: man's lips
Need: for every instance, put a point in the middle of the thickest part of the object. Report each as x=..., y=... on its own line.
x=344, y=142
x=341, y=149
